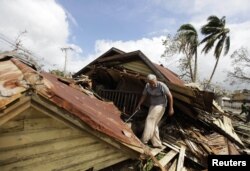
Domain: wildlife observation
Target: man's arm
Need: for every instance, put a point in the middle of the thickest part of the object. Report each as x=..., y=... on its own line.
x=143, y=97
x=170, y=103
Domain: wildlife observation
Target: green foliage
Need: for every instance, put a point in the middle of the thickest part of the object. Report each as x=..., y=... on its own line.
x=150, y=163
x=187, y=42
x=241, y=66
x=215, y=31
x=188, y=38
x=57, y=72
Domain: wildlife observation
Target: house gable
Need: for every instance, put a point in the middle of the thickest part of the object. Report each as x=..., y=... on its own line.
x=38, y=139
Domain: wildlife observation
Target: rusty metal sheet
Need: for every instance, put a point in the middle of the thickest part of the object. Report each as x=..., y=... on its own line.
x=100, y=115
x=169, y=75
x=10, y=87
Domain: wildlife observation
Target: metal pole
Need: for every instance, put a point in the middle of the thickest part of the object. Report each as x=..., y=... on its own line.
x=132, y=116
x=65, y=62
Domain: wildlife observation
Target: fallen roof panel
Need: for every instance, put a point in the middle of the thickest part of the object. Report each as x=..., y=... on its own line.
x=99, y=115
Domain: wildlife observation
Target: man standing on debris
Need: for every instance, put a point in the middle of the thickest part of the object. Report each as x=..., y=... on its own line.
x=160, y=96
x=245, y=109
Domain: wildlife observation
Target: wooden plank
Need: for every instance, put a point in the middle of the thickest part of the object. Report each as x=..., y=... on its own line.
x=30, y=124
x=42, y=123
x=14, y=105
x=168, y=157
x=59, y=158
x=27, y=137
x=69, y=159
x=181, y=89
x=24, y=151
x=156, y=151
x=229, y=128
x=184, y=169
x=173, y=166
x=203, y=142
x=31, y=113
x=110, y=160
x=226, y=130
x=172, y=146
x=12, y=126
x=99, y=163
x=188, y=155
x=39, y=102
x=185, y=99
x=181, y=158
x=232, y=149
x=15, y=109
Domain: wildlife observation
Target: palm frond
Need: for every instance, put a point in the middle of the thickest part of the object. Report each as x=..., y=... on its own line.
x=223, y=20
x=227, y=45
x=213, y=18
x=219, y=48
x=185, y=27
x=211, y=37
x=208, y=29
x=208, y=46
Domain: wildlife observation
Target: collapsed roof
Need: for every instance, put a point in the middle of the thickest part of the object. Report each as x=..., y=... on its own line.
x=199, y=122
x=199, y=125
x=18, y=79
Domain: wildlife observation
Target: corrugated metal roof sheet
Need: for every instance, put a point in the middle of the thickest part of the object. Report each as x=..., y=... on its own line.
x=99, y=115
x=171, y=76
x=10, y=88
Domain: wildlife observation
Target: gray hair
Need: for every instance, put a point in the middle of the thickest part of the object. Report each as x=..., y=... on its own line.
x=151, y=77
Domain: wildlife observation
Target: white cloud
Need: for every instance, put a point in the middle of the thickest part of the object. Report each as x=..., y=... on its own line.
x=47, y=25
x=205, y=7
x=151, y=47
x=226, y=7
x=47, y=28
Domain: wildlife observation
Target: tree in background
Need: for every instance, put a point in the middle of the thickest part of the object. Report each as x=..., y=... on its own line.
x=241, y=64
x=215, y=31
x=186, y=42
x=188, y=38
x=57, y=72
x=174, y=45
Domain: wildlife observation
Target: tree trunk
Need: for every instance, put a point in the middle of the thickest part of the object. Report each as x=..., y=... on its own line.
x=195, y=66
x=209, y=81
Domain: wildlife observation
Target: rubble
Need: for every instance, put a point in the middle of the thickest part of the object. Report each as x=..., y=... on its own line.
x=115, y=81
x=199, y=126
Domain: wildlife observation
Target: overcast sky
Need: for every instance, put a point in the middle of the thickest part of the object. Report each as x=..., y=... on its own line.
x=92, y=27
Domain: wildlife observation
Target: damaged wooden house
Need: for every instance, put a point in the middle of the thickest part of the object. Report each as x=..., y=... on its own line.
x=47, y=123
x=199, y=125
x=53, y=123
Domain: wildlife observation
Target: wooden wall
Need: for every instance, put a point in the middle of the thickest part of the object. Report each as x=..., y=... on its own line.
x=34, y=141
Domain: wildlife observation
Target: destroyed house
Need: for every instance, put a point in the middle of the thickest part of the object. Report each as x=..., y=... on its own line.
x=53, y=123
x=199, y=125
x=48, y=123
x=120, y=77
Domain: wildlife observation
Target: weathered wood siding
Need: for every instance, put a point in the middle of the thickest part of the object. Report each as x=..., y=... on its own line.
x=34, y=141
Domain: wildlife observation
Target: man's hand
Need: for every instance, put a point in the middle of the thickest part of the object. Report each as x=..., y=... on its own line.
x=138, y=108
x=171, y=112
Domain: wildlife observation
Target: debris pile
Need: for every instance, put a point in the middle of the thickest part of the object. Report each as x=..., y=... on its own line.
x=198, y=128
x=116, y=80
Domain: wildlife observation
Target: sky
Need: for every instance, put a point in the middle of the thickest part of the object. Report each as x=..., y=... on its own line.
x=93, y=27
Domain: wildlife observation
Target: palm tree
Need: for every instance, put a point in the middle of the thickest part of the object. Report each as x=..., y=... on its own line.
x=188, y=38
x=215, y=30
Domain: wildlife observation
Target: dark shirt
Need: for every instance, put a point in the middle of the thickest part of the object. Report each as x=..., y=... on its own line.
x=157, y=94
